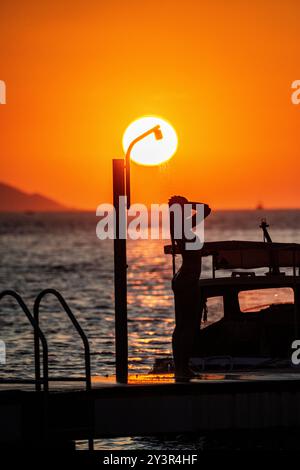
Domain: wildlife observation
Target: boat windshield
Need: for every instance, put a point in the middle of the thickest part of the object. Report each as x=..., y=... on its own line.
x=256, y=300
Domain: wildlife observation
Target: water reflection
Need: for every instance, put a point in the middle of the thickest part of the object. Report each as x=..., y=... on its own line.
x=62, y=251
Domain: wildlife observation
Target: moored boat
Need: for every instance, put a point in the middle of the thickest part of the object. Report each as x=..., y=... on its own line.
x=255, y=315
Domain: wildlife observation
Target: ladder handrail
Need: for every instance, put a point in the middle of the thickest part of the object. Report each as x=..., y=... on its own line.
x=68, y=311
x=38, y=334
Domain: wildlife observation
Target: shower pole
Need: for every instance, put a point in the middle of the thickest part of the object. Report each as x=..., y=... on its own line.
x=121, y=201
x=120, y=271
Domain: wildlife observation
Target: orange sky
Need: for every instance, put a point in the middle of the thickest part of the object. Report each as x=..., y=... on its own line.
x=78, y=72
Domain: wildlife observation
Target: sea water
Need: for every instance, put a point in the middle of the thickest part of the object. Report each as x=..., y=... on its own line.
x=62, y=251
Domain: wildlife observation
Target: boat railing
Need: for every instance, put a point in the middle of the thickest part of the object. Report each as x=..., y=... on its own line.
x=239, y=255
x=205, y=361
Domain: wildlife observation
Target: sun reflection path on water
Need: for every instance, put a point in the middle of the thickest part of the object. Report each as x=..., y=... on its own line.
x=150, y=304
x=148, y=379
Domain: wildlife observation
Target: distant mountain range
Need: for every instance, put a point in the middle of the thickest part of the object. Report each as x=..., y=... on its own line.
x=14, y=200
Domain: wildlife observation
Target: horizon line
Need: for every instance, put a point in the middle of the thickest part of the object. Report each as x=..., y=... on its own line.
x=93, y=211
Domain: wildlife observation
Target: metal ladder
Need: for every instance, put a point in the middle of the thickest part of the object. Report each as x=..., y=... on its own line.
x=39, y=337
x=69, y=313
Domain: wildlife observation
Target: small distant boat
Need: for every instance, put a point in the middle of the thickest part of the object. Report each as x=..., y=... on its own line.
x=260, y=206
x=261, y=335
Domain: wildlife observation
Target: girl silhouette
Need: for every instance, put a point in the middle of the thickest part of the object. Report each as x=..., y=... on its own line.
x=188, y=301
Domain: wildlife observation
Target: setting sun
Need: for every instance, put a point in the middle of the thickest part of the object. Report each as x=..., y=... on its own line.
x=151, y=151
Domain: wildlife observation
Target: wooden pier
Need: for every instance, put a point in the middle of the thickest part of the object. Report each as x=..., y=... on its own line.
x=148, y=405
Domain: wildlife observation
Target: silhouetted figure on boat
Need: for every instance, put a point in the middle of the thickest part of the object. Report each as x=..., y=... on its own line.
x=188, y=301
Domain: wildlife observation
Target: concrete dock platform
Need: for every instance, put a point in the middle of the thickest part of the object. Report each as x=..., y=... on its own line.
x=149, y=405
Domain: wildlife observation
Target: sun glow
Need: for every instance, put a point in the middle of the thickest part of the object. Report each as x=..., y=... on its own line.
x=150, y=151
